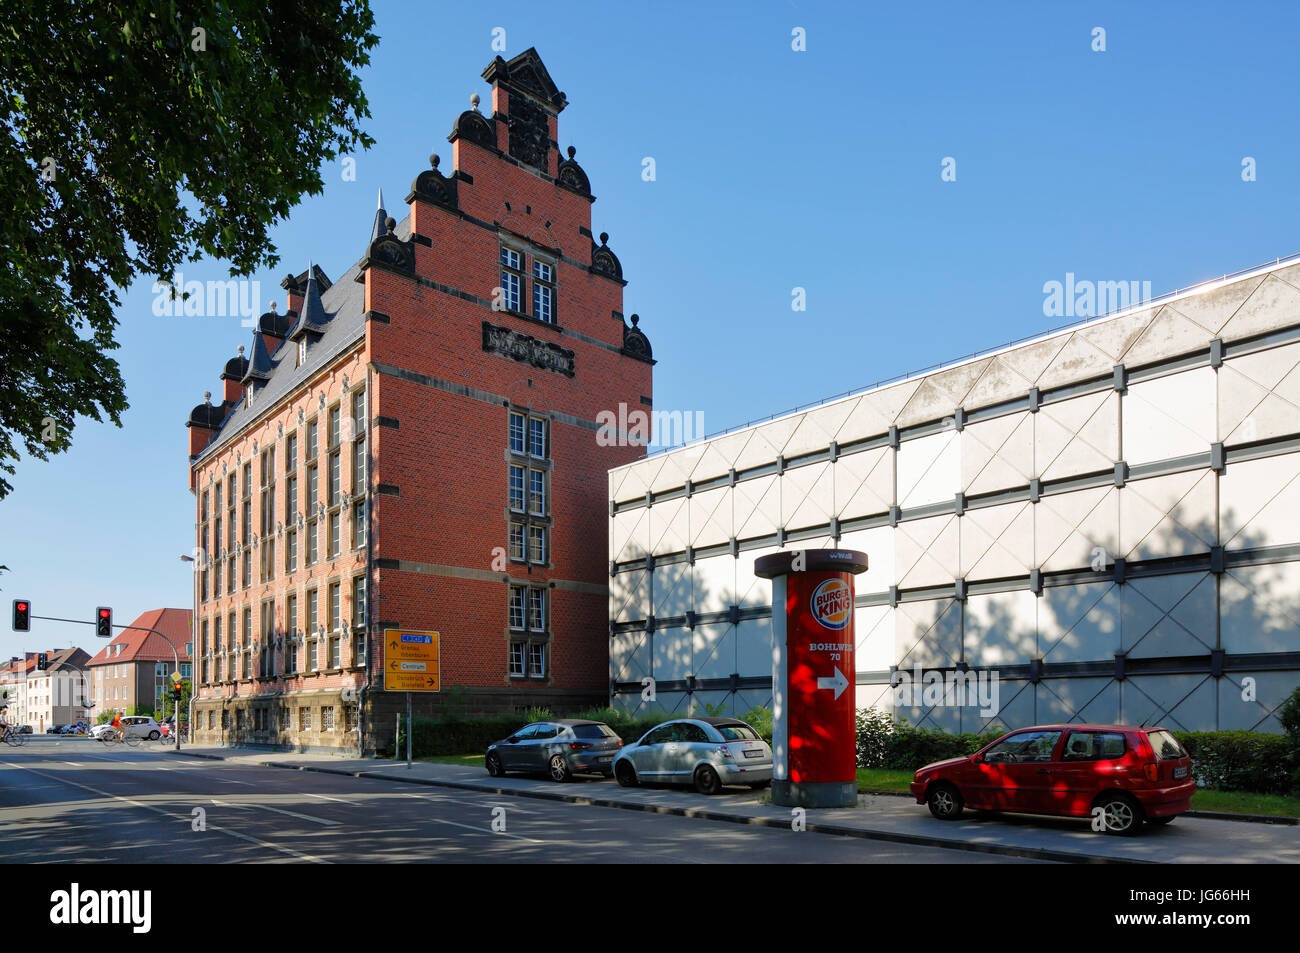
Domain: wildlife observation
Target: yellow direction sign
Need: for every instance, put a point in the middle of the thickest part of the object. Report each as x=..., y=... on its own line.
x=410, y=661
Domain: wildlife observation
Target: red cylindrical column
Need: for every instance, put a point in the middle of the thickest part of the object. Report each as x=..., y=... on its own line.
x=814, y=741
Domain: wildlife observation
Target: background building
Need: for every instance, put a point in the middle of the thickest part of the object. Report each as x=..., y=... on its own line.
x=1108, y=516
x=414, y=445
x=13, y=682
x=57, y=694
x=132, y=671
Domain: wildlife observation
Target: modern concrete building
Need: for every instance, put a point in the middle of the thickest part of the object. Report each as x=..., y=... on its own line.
x=1107, y=516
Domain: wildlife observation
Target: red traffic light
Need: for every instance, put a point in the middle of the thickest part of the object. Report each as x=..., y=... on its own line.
x=22, y=607
x=105, y=613
x=104, y=622
x=22, y=615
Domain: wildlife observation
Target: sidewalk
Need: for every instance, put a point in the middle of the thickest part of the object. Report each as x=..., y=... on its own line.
x=1188, y=840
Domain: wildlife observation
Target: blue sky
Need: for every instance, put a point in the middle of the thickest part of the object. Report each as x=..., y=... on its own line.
x=775, y=170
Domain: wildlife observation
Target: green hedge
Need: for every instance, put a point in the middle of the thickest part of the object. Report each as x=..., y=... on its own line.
x=1224, y=760
x=1243, y=761
x=454, y=736
x=884, y=743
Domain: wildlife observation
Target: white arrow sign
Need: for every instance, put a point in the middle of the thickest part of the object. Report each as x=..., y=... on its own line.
x=837, y=682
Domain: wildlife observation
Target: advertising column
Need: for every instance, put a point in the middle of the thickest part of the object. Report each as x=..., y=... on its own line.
x=814, y=741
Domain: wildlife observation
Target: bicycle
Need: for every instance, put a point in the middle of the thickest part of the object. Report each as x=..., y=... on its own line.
x=14, y=737
x=112, y=737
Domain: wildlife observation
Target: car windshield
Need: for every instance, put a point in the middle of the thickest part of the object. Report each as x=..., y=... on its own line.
x=737, y=733
x=1166, y=746
x=593, y=731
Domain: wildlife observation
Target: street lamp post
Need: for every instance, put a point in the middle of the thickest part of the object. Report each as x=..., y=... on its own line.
x=194, y=628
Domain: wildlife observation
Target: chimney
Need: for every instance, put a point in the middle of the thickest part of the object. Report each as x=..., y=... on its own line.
x=203, y=424
x=232, y=388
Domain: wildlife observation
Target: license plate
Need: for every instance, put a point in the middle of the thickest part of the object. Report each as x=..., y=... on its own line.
x=605, y=757
x=753, y=754
x=1180, y=772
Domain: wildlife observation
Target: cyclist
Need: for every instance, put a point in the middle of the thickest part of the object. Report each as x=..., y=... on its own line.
x=117, y=726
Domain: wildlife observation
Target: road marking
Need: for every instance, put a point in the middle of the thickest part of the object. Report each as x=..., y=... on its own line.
x=326, y=797
x=157, y=810
x=470, y=827
x=267, y=807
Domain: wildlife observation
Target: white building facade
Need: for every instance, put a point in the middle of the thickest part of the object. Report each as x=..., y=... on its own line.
x=1107, y=517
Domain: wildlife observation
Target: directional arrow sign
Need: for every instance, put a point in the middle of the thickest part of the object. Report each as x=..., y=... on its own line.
x=412, y=661
x=837, y=682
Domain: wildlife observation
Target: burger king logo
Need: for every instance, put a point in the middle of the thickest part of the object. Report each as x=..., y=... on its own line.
x=832, y=603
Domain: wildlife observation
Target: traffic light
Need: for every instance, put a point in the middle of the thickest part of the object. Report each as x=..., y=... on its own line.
x=176, y=695
x=22, y=615
x=104, y=622
x=42, y=661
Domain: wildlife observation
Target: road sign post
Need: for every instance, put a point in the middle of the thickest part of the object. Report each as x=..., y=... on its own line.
x=411, y=664
x=814, y=744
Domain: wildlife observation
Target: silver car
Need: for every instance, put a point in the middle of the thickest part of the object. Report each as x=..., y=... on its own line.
x=705, y=752
x=560, y=748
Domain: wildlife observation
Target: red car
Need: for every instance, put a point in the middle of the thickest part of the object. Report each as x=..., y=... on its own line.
x=1131, y=774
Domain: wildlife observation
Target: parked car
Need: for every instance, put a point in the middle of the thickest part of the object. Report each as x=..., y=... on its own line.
x=561, y=748
x=53, y=729
x=24, y=729
x=705, y=752
x=135, y=726
x=1133, y=775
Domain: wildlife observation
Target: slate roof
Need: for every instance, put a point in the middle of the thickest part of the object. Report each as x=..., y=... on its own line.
x=342, y=324
x=141, y=646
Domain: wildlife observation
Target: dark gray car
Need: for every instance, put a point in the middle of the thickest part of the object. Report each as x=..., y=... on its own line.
x=559, y=748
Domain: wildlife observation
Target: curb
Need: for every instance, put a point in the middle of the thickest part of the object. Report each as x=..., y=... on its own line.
x=1245, y=818
x=1031, y=853
x=1005, y=850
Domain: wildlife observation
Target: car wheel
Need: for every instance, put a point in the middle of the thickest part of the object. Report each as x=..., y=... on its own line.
x=1121, y=814
x=494, y=766
x=153, y=736
x=626, y=774
x=707, y=780
x=559, y=768
x=944, y=802
x=1161, y=821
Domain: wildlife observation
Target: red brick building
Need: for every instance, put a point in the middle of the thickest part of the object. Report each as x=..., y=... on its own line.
x=414, y=445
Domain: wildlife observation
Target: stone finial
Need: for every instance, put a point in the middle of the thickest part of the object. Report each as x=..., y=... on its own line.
x=207, y=397
x=604, y=238
x=390, y=223
x=241, y=350
x=434, y=159
x=474, y=101
x=572, y=152
x=636, y=319
x=273, y=307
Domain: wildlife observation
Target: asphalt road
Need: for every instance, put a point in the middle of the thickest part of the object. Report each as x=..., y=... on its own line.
x=72, y=800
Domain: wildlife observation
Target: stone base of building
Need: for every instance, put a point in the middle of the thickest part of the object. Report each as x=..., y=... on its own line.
x=326, y=721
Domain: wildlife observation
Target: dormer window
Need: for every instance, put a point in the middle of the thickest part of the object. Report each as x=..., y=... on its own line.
x=302, y=351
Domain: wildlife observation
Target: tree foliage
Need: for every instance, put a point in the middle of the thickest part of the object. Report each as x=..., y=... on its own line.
x=141, y=134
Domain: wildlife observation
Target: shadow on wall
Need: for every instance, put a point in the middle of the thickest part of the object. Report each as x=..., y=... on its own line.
x=1153, y=616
